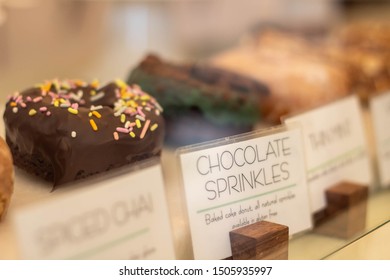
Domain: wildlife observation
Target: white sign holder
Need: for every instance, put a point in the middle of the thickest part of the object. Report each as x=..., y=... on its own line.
x=120, y=215
x=241, y=180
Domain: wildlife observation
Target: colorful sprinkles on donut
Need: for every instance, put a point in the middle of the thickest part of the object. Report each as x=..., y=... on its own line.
x=71, y=95
x=64, y=130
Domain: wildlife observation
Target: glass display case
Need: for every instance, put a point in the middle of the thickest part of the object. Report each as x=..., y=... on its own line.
x=105, y=40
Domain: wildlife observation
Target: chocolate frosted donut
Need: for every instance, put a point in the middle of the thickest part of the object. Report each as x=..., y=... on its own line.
x=67, y=130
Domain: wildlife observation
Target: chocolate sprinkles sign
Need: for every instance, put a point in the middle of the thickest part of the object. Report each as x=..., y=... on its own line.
x=240, y=181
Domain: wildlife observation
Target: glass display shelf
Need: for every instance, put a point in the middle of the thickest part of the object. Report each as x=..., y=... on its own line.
x=104, y=40
x=305, y=246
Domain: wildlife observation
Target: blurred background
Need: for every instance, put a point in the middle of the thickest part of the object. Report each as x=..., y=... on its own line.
x=44, y=39
x=106, y=39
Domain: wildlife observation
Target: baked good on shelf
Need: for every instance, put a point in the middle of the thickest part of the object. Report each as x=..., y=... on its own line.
x=6, y=178
x=200, y=102
x=67, y=130
x=365, y=47
x=297, y=73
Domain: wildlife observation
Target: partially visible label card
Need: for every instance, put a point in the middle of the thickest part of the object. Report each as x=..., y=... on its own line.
x=121, y=217
x=335, y=147
x=233, y=184
x=380, y=113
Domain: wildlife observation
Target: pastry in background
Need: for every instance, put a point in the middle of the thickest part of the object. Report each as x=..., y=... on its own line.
x=365, y=34
x=365, y=47
x=293, y=67
x=6, y=178
x=200, y=102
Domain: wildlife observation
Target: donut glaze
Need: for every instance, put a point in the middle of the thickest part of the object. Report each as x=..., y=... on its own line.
x=67, y=130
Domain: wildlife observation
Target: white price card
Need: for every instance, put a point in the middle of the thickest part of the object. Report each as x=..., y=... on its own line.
x=380, y=116
x=335, y=147
x=242, y=180
x=124, y=216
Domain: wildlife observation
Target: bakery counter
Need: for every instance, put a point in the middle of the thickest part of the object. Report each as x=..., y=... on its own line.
x=308, y=245
x=106, y=39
